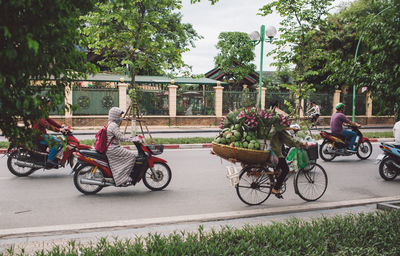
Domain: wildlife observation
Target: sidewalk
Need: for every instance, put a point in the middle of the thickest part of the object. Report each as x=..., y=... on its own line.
x=44, y=238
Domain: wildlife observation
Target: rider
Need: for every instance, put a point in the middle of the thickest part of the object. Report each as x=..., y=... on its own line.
x=337, y=120
x=396, y=132
x=121, y=160
x=44, y=138
x=314, y=111
x=280, y=139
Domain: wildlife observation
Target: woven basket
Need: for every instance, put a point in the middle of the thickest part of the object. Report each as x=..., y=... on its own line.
x=241, y=154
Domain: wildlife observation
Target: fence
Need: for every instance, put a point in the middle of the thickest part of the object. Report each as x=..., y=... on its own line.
x=153, y=102
x=234, y=99
x=323, y=100
x=195, y=102
x=94, y=101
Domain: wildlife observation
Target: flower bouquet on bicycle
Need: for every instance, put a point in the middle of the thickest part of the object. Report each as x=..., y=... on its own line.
x=259, y=176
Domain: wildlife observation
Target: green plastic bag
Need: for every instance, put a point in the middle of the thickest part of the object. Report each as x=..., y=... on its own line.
x=292, y=153
x=302, y=158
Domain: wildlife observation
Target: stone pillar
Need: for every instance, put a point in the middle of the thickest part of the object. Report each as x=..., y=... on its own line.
x=336, y=100
x=263, y=92
x=368, y=105
x=123, y=95
x=68, y=101
x=172, y=99
x=218, y=99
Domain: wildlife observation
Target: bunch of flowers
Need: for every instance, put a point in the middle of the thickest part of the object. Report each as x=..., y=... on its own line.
x=250, y=116
x=284, y=120
x=221, y=123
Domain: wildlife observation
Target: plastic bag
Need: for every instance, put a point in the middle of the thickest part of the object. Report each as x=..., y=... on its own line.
x=302, y=158
x=273, y=158
x=291, y=155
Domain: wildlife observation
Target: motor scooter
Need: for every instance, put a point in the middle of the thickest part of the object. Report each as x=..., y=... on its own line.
x=23, y=161
x=336, y=145
x=92, y=172
x=389, y=161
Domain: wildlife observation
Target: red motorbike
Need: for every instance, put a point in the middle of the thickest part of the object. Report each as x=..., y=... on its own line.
x=23, y=161
x=92, y=172
x=336, y=145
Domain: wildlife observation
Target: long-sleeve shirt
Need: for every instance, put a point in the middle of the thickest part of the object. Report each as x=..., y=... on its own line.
x=45, y=123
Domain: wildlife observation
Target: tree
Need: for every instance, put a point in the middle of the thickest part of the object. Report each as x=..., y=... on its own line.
x=140, y=34
x=377, y=65
x=301, y=19
x=236, y=52
x=38, y=42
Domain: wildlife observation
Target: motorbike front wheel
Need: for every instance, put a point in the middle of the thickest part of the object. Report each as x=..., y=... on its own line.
x=86, y=171
x=323, y=151
x=364, y=150
x=387, y=170
x=159, y=178
x=19, y=155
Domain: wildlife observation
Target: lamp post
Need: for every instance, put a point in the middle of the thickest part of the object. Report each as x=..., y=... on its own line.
x=257, y=38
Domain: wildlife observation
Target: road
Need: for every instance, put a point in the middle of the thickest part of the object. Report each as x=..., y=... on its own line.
x=198, y=186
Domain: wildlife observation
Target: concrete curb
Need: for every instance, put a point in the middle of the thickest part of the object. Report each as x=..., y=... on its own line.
x=141, y=223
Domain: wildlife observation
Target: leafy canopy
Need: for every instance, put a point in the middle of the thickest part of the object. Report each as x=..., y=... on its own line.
x=38, y=41
x=236, y=52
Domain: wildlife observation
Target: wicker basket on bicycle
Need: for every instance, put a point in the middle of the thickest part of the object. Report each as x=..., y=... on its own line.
x=243, y=155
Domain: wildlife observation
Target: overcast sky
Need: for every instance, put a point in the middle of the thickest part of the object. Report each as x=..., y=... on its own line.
x=225, y=16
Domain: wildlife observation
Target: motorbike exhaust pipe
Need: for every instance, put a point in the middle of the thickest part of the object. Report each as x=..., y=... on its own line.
x=96, y=182
x=30, y=165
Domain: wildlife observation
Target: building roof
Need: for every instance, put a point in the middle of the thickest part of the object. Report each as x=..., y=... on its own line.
x=101, y=77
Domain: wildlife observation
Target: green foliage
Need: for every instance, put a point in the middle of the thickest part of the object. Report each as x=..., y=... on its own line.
x=38, y=41
x=236, y=52
x=147, y=36
x=301, y=20
x=363, y=234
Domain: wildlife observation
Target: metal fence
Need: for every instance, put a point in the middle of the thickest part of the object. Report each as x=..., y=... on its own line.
x=323, y=100
x=94, y=101
x=232, y=100
x=270, y=97
x=153, y=102
x=347, y=99
x=190, y=103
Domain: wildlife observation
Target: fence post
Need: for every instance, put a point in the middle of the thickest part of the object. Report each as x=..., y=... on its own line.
x=218, y=99
x=368, y=105
x=172, y=99
x=263, y=91
x=122, y=96
x=68, y=102
x=336, y=100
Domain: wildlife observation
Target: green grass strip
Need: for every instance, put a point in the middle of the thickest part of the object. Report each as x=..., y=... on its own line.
x=363, y=234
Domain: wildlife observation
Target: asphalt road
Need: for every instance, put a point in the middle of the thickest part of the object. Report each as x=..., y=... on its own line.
x=198, y=186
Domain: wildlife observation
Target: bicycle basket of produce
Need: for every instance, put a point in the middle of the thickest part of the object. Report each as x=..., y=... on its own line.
x=246, y=133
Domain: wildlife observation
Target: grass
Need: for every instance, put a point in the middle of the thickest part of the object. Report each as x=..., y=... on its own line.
x=363, y=234
x=195, y=140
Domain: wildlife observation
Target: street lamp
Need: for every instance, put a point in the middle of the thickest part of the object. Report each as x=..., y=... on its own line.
x=257, y=38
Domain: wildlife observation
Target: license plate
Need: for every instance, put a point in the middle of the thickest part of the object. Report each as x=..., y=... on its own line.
x=379, y=158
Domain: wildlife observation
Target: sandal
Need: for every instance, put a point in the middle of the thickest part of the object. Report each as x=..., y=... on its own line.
x=277, y=193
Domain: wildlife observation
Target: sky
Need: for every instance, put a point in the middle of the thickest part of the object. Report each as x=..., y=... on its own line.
x=225, y=16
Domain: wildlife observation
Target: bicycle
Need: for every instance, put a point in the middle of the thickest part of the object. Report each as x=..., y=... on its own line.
x=256, y=182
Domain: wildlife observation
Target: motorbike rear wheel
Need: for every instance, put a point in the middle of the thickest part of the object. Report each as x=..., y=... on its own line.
x=387, y=169
x=323, y=151
x=19, y=155
x=86, y=171
x=364, y=150
x=158, y=180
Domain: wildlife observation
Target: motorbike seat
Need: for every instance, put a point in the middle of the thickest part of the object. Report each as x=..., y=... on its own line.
x=340, y=136
x=94, y=154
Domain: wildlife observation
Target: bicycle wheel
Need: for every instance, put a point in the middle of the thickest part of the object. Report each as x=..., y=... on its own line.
x=311, y=182
x=254, y=185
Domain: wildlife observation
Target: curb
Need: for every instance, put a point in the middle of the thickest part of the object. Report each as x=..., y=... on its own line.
x=208, y=217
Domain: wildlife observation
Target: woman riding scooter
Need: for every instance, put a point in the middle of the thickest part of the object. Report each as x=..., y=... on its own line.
x=121, y=160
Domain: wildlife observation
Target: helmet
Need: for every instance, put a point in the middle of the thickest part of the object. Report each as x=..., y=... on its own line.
x=339, y=105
